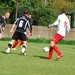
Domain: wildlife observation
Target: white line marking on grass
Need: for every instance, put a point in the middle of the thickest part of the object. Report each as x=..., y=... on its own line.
x=35, y=47
x=69, y=52
x=42, y=48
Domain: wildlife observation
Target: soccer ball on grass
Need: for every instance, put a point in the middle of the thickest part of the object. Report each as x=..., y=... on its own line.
x=46, y=49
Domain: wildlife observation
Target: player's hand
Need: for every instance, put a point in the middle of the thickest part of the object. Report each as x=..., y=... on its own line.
x=48, y=26
x=11, y=31
x=2, y=28
x=30, y=34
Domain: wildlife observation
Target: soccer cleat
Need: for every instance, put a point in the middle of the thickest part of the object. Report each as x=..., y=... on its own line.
x=7, y=51
x=20, y=46
x=13, y=49
x=49, y=58
x=21, y=53
x=59, y=56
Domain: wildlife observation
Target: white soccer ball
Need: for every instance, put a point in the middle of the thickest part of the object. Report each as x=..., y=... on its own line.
x=46, y=49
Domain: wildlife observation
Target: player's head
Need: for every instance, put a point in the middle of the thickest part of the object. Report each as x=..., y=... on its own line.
x=7, y=14
x=29, y=15
x=63, y=10
x=26, y=12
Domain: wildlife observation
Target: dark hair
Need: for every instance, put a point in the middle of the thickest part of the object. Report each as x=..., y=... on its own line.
x=63, y=10
x=26, y=12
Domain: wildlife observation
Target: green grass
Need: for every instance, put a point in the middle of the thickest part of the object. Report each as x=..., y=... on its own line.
x=43, y=40
x=34, y=63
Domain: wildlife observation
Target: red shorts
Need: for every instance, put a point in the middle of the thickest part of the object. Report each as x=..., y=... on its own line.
x=57, y=37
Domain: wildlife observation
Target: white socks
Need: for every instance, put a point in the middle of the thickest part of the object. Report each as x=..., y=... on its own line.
x=8, y=50
x=23, y=48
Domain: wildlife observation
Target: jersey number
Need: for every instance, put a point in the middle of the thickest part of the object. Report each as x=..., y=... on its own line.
x=65, y=24
x=21, y=23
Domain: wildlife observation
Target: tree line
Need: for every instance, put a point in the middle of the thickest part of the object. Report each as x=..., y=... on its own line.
x=43, y=11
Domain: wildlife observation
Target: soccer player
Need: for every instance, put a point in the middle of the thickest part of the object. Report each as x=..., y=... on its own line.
x=3, y=22
x=18, y=42
x=63, y=27
x=21, y=24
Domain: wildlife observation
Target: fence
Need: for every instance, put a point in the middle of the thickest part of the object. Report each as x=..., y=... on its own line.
x=41, y=32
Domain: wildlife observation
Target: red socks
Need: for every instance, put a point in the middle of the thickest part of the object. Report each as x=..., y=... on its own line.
x=15, y=44
x=56, y=50
x=21, y=43
x=51, y=51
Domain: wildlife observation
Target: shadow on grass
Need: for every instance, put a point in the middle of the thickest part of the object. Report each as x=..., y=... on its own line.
x=8, y=53
x=42, y=57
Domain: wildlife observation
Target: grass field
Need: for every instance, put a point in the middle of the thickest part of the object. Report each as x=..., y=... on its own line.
x=34, y=63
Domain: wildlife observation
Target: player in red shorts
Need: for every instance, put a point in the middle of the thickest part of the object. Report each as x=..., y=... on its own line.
x=63, y=27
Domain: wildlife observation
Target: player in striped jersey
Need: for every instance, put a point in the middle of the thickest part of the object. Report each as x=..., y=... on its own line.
x=21, y=24
x=18, y=42
x=3, y=22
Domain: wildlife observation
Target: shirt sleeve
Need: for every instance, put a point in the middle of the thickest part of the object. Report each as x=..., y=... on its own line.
x=16, y=21
x=2, y=22
x=30, y=25
x=56, y=22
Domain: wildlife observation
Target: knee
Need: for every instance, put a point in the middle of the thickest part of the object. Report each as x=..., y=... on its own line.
x=52, y=44
x=24, y=46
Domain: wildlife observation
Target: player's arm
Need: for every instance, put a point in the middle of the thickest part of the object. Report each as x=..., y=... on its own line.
x=28, y=32
x=68, y=28
x=3, y=23
x=11, y=30
x=30, y=26
x=54, y=24
x=14, y=25
x=3, y=26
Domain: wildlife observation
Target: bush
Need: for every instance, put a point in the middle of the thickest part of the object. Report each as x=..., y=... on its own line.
x=22, y=8
x=43, y=40
x=39, y=40
x=5, y=39
x=43, y=16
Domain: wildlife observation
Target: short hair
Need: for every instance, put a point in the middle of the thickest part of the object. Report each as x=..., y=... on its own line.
x=63, y=10
x=26, y=12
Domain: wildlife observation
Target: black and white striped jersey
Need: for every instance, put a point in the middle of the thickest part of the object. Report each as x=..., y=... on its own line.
x=2, y=21
x=22, y=24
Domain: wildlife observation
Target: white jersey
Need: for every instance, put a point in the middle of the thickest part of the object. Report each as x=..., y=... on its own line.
x=63, y=24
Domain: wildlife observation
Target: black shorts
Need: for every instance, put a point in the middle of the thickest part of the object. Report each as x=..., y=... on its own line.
x=20, y=36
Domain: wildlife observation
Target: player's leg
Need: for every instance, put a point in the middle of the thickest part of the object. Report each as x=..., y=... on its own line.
x=23, y=38
x=0, y=34
x=15, y=44
x=23, y=50
x=9, y=46
x=55, y=47
x=58, y=52
x=54, y=41
x=50, y=53
x=14, y=37
x=21, y=43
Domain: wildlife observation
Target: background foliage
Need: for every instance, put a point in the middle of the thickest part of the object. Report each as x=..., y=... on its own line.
x=43, y=11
